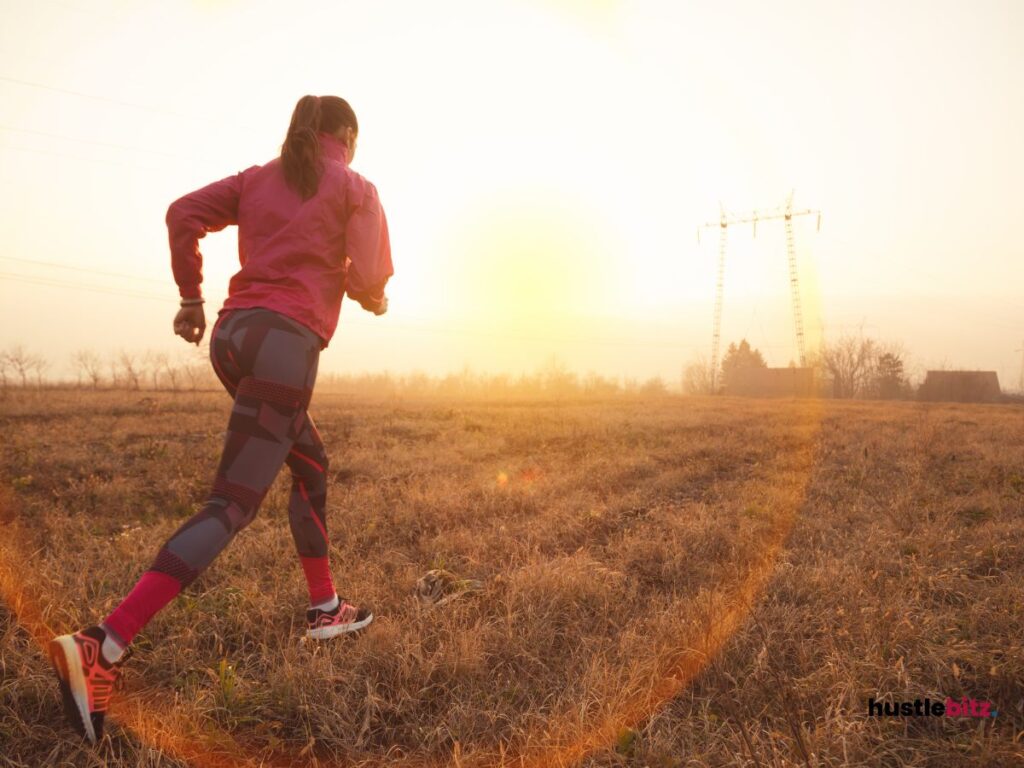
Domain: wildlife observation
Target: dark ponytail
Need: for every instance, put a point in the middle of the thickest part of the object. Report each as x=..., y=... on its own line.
x=300, y=153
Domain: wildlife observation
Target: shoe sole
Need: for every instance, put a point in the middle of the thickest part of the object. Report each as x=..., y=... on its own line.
x=325, y=633
x=68, y=666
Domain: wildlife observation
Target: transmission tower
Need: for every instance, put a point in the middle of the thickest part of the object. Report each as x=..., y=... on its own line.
x=1020, y=382
x=784, y=212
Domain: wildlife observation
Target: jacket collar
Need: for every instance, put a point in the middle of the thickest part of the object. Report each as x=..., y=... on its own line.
x=333, y=147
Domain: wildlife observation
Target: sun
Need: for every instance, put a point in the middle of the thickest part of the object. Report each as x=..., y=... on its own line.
x=528, y=259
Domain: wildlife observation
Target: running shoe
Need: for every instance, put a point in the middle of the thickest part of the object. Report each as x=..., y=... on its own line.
x=87, y=679
x=344, y=618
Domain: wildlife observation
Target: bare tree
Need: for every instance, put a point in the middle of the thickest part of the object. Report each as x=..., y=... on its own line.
x=39, y=364
x=599, y=386
x=849, y=362
x=697, y=377
x=196, y=369
x=155, y=363
x=558, y=379
x=191, y=372
x=20, y=360
x=89, y=365
x=171, y=372
x=654, y=386
x=131, y=369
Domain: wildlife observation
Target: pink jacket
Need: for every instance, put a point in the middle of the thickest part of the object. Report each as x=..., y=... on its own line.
x=297, y=258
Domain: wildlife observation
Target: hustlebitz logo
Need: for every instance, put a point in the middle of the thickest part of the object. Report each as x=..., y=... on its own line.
x=963, y=707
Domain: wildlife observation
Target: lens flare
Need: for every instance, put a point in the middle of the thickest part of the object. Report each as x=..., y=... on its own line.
x=150, y=716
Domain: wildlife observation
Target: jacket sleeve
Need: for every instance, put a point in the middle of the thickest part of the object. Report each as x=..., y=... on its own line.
x=189, y=218
x=367, y=249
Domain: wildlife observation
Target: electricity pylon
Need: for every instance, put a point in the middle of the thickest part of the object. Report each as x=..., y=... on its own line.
x=726, y=219
x=1020, y=382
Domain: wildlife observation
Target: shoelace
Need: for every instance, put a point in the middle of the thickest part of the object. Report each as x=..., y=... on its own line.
x=119, y=677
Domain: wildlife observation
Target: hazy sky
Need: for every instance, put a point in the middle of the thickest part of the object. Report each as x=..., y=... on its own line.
x=544, y=167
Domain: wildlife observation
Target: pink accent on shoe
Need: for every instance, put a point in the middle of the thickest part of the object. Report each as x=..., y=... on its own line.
x=151, y=593
x=322, y=625
x=347, y=613
x=87, y=680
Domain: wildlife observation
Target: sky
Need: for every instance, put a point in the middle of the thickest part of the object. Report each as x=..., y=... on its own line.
x=545, y=168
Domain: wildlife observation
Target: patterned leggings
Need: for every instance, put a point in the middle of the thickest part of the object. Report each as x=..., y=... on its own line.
x=268, y=363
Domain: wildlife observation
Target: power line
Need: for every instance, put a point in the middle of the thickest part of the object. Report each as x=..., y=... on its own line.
x=521, y=337
x=89, y=141
x=426, y=327
x=87, y=11
x=45, y=281
x=50, y=282
x=83, y=269
x=31, y=279
x=178, y=159
x=92, y=96
x=54, y=283
x=118, y=102
x=87, y=158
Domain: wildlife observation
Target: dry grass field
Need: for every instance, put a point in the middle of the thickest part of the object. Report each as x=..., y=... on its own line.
x=667, y=581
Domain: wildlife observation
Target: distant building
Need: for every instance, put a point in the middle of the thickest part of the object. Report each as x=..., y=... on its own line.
x=960, y=386
x=755, y=381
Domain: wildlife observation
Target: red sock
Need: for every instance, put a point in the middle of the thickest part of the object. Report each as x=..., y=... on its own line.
x=151, y=593
x=318, y=579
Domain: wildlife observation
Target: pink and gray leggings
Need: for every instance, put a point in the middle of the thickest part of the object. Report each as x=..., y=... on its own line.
x=268, y=363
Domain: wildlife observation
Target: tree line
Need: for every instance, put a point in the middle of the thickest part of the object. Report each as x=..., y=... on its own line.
x=849, y=367
x=120, y=370
x=192, y=370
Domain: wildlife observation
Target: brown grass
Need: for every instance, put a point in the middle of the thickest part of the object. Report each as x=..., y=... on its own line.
x=668, y=582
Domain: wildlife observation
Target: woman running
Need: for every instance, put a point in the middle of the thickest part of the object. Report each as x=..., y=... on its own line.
x=310, y=229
